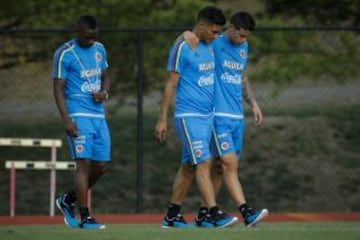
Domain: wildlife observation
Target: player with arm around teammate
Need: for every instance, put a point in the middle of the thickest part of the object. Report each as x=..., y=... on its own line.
x=231, y=88
x=191, y=74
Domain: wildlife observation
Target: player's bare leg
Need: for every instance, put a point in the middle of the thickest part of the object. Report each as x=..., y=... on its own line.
x=204, y=183
x=231, y=179
x=82, y=176
x=216, y=216
x=180, y=188
x=216, y=178
x=182, y=183
x=230, y=170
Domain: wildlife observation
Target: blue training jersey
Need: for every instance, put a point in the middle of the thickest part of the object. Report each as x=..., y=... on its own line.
x=81, y=69
x=195, y=90
x=230, y=63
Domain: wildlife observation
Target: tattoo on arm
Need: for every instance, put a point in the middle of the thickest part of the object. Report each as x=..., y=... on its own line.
x=247, y=92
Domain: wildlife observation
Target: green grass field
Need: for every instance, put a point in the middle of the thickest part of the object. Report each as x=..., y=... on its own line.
x=276, y=231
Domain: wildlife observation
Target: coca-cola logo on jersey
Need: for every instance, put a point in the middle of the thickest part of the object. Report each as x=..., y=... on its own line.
x=206, y=80
x=233, y=79
x=91, y=87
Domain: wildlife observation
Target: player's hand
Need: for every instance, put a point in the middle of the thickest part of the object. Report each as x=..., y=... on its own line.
x=191, y=39
x=71, y=128
x=258, y=116
x=100, y=96
x=161, y=130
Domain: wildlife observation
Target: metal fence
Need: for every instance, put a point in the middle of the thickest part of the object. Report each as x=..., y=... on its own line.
x=302, y=159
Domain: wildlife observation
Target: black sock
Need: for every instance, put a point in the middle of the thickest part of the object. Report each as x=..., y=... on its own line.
x=214, y=211
x=84, y=212
x=244, y=209
x=202, y=212
x=173, y=210
x=70, y=197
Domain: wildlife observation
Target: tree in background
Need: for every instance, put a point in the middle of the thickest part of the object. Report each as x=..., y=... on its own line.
x=286, y=55
x=20, y=48
x=277, y=56
x=323, y=13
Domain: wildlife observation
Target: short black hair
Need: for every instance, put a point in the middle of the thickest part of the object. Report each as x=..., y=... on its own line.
x=212, y=15
x=243, y=20
x=87, y=21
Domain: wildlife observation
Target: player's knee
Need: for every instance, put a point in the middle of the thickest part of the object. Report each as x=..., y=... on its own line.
x=229, y=166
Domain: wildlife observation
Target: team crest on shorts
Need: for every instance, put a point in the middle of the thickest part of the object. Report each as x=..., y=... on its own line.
x=224, y=146
x=198, y=153
x=79, y=148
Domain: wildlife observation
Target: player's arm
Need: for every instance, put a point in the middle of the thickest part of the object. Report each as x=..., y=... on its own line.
x=70, y=127
x=105, y=81
x=189, y=37
x=161, y=126
x=248, y=96
x=105, y=87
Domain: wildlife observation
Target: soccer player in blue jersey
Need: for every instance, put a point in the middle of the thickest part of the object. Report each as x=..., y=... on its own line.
x=191, y=73
x=231, y=87
x=81, y=86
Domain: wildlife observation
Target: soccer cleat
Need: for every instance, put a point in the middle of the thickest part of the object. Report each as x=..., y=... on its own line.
x=177, y=222
x=255, y=216
x=90, y=223
x=222, y=219
x=68, y=211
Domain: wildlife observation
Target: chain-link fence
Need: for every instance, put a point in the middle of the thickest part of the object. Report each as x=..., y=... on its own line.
x=305, y=157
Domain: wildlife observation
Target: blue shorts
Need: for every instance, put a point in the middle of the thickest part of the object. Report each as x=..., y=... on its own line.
x=93, y=142
x=228, y=136
x=195, y=134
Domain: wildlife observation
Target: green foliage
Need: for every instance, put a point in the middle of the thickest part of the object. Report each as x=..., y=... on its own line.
x=329, y=12
x=284, y=56
x=110, y=13
x=277, y=56
x=122, y=48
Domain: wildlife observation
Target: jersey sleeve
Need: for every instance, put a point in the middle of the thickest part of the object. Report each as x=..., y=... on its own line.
x=60, y=63
x=176, y=60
